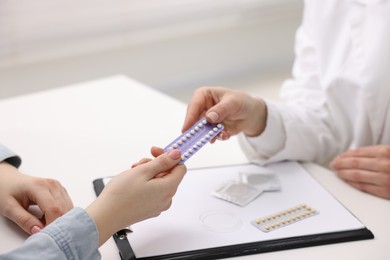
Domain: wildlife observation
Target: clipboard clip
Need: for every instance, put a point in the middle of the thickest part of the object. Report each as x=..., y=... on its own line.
x=122, y=234
x=125, y=251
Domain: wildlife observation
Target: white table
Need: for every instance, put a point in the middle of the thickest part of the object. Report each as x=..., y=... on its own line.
x=78, y=133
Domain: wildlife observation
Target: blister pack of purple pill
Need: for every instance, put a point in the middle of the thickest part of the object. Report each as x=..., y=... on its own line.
x=192, y=140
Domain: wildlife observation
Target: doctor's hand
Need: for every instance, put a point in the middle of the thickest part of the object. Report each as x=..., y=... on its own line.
x=236, y=110
x=18, y=192
x=366, y=169
x=136, y=194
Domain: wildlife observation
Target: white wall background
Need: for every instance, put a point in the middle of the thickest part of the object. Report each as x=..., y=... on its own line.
x=173, y=45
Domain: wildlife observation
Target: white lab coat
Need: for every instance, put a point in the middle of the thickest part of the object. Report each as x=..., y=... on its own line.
x=340, y=92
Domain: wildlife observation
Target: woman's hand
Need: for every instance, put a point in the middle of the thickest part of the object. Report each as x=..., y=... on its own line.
x=137, y=194
x=18, y=192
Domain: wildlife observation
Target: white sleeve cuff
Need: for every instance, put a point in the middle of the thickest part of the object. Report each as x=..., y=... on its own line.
x=260, y=148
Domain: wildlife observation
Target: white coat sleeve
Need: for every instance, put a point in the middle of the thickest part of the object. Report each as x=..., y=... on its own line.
x=299, y=127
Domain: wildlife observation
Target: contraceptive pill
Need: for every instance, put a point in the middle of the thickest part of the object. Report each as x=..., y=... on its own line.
x=192, y=140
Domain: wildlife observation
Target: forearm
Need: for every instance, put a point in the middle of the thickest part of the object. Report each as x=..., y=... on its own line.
x=102, y=217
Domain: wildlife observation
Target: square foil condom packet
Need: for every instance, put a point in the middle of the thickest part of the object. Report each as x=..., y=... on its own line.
x=249, y=186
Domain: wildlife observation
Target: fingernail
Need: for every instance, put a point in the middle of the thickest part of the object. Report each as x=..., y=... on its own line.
x=35, y=229
x=174, y=154
x=213, y=116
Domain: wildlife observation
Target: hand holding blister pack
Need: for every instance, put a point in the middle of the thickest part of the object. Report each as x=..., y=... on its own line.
x=240, y=192
x=192, y=140
x=248, y=187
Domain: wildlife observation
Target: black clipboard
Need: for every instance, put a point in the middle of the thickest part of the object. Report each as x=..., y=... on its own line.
x=126, y=251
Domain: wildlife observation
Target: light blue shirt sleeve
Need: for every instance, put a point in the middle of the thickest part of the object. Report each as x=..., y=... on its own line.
x=72, y=236
x=9, y=156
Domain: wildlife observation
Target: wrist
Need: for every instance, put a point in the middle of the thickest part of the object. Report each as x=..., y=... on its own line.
x=102, y=223
x=107, y=219
x=256, y=122
x=5, y=167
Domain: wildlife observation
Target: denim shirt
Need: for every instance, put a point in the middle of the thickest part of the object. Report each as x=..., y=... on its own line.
x=72, y=236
